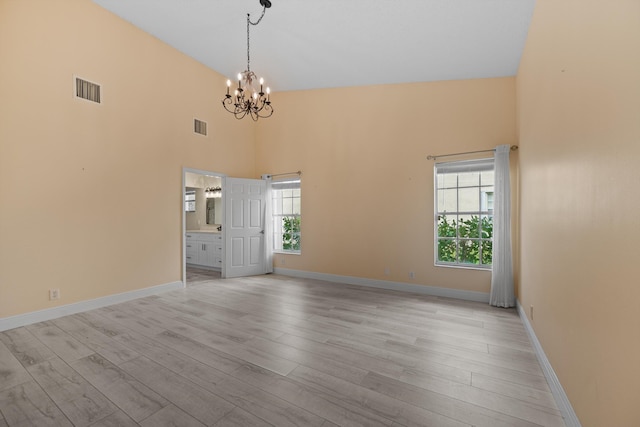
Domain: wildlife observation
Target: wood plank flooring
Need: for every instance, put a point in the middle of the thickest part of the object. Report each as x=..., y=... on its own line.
x=276, y=351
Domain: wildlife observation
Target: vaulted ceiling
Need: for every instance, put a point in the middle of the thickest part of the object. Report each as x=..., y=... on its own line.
x=302, y=44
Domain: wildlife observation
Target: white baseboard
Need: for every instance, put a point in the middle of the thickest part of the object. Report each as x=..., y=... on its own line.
x=569, y=415
x=384, y=284
x=12, y=322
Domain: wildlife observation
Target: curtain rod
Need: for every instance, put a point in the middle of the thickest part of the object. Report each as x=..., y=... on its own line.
x=286, y=173
x=430, y=157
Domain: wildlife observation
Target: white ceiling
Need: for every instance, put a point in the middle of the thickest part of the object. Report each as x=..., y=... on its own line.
x=302, y=44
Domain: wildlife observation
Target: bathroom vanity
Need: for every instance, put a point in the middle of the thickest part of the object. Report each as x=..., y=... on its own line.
x=204, y=248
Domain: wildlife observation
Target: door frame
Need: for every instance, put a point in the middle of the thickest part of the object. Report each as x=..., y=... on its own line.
x=183, y=237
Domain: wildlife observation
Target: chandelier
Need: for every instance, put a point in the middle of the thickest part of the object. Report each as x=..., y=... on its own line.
x=249, y=98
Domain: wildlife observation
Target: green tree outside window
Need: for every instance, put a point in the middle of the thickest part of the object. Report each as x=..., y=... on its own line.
x=473, y=237
x=291, y=233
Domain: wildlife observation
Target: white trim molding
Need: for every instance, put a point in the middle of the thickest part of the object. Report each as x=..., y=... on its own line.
x=385, y=284
x=564, y=405
x=12, y=322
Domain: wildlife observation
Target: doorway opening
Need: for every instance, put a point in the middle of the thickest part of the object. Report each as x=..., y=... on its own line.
x=202, y=220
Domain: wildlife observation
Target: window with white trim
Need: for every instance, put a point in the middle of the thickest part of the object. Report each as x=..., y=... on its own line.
x=464, y=213
x=286, y=215
x=190, y=201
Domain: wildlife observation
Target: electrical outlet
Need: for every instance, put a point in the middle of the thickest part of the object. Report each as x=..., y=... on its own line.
x=54, y=294
x=283, y=260
x=412, y=275
x=531, y=312
x=387, y=271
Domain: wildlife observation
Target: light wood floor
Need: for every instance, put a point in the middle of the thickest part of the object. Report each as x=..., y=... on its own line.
x=273, y=350
x=197, y=275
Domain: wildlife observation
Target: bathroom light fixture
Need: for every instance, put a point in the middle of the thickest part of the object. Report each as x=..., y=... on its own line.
x=213, y=192
x=247, y=98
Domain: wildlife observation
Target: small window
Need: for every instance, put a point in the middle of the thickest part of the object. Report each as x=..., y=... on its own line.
x=190, y=201
x=464, y=213
x=286, y=215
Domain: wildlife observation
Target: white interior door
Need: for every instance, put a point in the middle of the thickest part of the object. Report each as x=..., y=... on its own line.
x=243, y=229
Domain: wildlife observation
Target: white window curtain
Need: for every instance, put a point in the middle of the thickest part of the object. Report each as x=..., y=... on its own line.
x=268, y=226
x=502, y=293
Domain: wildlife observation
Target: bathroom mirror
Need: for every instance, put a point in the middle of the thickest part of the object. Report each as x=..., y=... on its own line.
x=213, y=211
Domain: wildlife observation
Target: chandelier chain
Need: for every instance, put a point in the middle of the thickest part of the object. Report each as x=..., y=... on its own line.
x=264, y=9
x=248, y=57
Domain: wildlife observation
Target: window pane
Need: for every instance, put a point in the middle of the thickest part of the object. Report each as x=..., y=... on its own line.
x=486, y=198
x=468, y=179
x=447, y=250
x=287, y=206
x=296, y=206
x=469, y=200
x=487, y=189
x=448, y=200
x=287, y=193
x=447, y=180
x=469, y=251
x=487, y=247
x=291, y=233
x=468, y=226
x=296, y=192
x=486, y=227
x=486, y=178
x=446, y=226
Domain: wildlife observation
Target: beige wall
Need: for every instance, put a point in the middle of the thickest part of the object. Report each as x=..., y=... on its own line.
x=367, y=184
x=579, y=130
x=90, y=195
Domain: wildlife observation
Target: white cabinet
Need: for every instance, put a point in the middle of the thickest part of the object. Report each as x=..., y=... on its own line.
x=217, y=251
x=204, y=249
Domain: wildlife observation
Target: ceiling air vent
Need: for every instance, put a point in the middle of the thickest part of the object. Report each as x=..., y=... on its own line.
x=87, y=90
x=199, y=127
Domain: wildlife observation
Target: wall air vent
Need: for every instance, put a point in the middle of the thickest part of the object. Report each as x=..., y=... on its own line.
x=87, y=90
x=199, y=127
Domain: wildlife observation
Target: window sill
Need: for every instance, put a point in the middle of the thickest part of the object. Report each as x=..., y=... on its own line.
x=464, y=267
x=287, y=253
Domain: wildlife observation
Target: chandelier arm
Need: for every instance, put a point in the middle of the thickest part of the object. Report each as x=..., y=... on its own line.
x=268, y=112
x=239, y=112
x=227, y=103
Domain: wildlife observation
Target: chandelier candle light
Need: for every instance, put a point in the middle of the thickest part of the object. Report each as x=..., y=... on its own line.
x=247, y=99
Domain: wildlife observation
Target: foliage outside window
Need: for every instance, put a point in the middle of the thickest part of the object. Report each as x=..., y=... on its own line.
x=464, y=213
x=286, y=216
